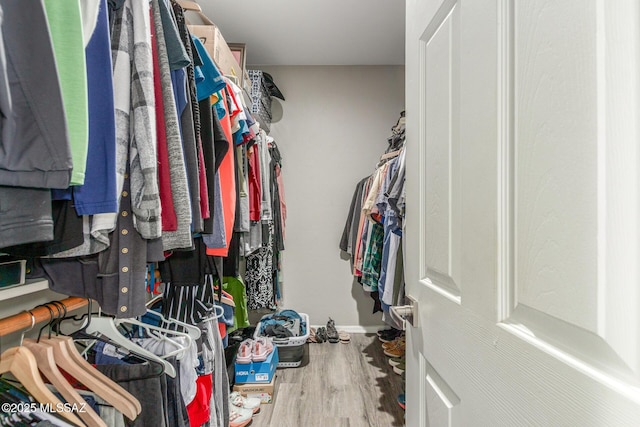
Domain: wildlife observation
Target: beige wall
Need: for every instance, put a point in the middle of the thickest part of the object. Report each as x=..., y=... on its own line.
x=332, y=131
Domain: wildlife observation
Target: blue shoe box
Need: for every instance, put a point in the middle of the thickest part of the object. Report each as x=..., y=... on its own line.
x=257, y=372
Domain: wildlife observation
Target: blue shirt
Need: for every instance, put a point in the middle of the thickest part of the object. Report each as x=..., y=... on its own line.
x=213, y=81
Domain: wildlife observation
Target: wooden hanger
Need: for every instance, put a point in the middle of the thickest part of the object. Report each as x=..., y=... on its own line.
x=22, y=364
x=390, y=155
x=47, y=366
x=189, y=5
x=94, y=380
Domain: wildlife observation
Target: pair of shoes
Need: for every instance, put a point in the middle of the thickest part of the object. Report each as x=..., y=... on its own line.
x=332, y=332
x=250, y=403
x=345, y=338
x=321, y=334
x=395, y=349
x=254, y=350
x=390, y=334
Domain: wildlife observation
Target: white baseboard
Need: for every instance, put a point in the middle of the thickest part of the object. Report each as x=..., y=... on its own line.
x=356, y=329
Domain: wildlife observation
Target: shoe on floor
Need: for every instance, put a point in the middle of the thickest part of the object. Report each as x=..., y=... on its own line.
x=399, y=369
x=402, y=401
x=345, y=338
x=395, y=361
x=312, y=336
x=239, y=417
x=332, y=332
x=393, y=343
x=389, y=335
x=250, y=403
x=395, y=351
x=321, y=334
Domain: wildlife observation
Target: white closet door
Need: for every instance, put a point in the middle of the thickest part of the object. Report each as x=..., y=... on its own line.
x=523, y=221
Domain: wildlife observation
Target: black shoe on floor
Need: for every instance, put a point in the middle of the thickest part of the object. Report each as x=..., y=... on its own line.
x=390, y=335
x=332, y=332
x=321, y=334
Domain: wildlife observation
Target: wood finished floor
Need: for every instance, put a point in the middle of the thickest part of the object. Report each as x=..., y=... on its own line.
x=338, y=385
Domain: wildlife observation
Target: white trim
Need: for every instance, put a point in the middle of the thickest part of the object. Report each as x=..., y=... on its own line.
x=25, y=289
x=356, y=329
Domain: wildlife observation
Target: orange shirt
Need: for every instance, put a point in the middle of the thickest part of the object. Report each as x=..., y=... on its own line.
x=227, y=182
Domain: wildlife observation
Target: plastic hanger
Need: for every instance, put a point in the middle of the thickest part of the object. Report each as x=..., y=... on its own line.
x=106, y=326
x=161, y=334
x=67, y=357
x=193, y=331
x=219, y=312
x=47, y=366
x=21, y=362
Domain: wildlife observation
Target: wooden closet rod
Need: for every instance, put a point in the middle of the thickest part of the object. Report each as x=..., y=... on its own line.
x=22, y=321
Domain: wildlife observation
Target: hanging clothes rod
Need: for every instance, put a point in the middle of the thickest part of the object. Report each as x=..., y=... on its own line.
x=21, y=321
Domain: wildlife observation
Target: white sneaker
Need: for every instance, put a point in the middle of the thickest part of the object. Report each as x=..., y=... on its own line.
x=250, y=403
x=239, y=417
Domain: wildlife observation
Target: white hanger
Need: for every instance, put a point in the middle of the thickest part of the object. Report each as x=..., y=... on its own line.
x=162, y=334
x=193, y=331
x=219, y=312
x=107, y=327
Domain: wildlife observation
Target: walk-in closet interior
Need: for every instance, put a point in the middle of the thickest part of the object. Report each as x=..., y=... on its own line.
x=201, y=213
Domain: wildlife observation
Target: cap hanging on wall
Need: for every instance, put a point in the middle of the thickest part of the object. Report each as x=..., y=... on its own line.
x=271, y=86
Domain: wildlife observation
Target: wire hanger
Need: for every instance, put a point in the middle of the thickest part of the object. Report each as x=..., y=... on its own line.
x=22, y=364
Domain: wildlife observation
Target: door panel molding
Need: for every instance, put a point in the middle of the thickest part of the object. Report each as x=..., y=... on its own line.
x=606, y=342
x=505, y=111
x=442, y=401
x=582, y=350
x=440, y=245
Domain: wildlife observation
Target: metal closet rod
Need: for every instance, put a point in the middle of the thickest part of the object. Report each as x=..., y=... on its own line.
x=22, y=321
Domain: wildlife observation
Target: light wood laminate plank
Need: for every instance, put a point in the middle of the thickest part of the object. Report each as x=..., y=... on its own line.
x=338, y=385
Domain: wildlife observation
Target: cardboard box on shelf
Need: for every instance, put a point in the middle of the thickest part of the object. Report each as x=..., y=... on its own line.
x=264, y=392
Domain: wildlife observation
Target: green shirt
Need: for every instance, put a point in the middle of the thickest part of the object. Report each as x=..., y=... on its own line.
x=65, y=26
x=235, y=287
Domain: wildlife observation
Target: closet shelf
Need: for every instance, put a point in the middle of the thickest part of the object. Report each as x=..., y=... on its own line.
x=29, y=288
